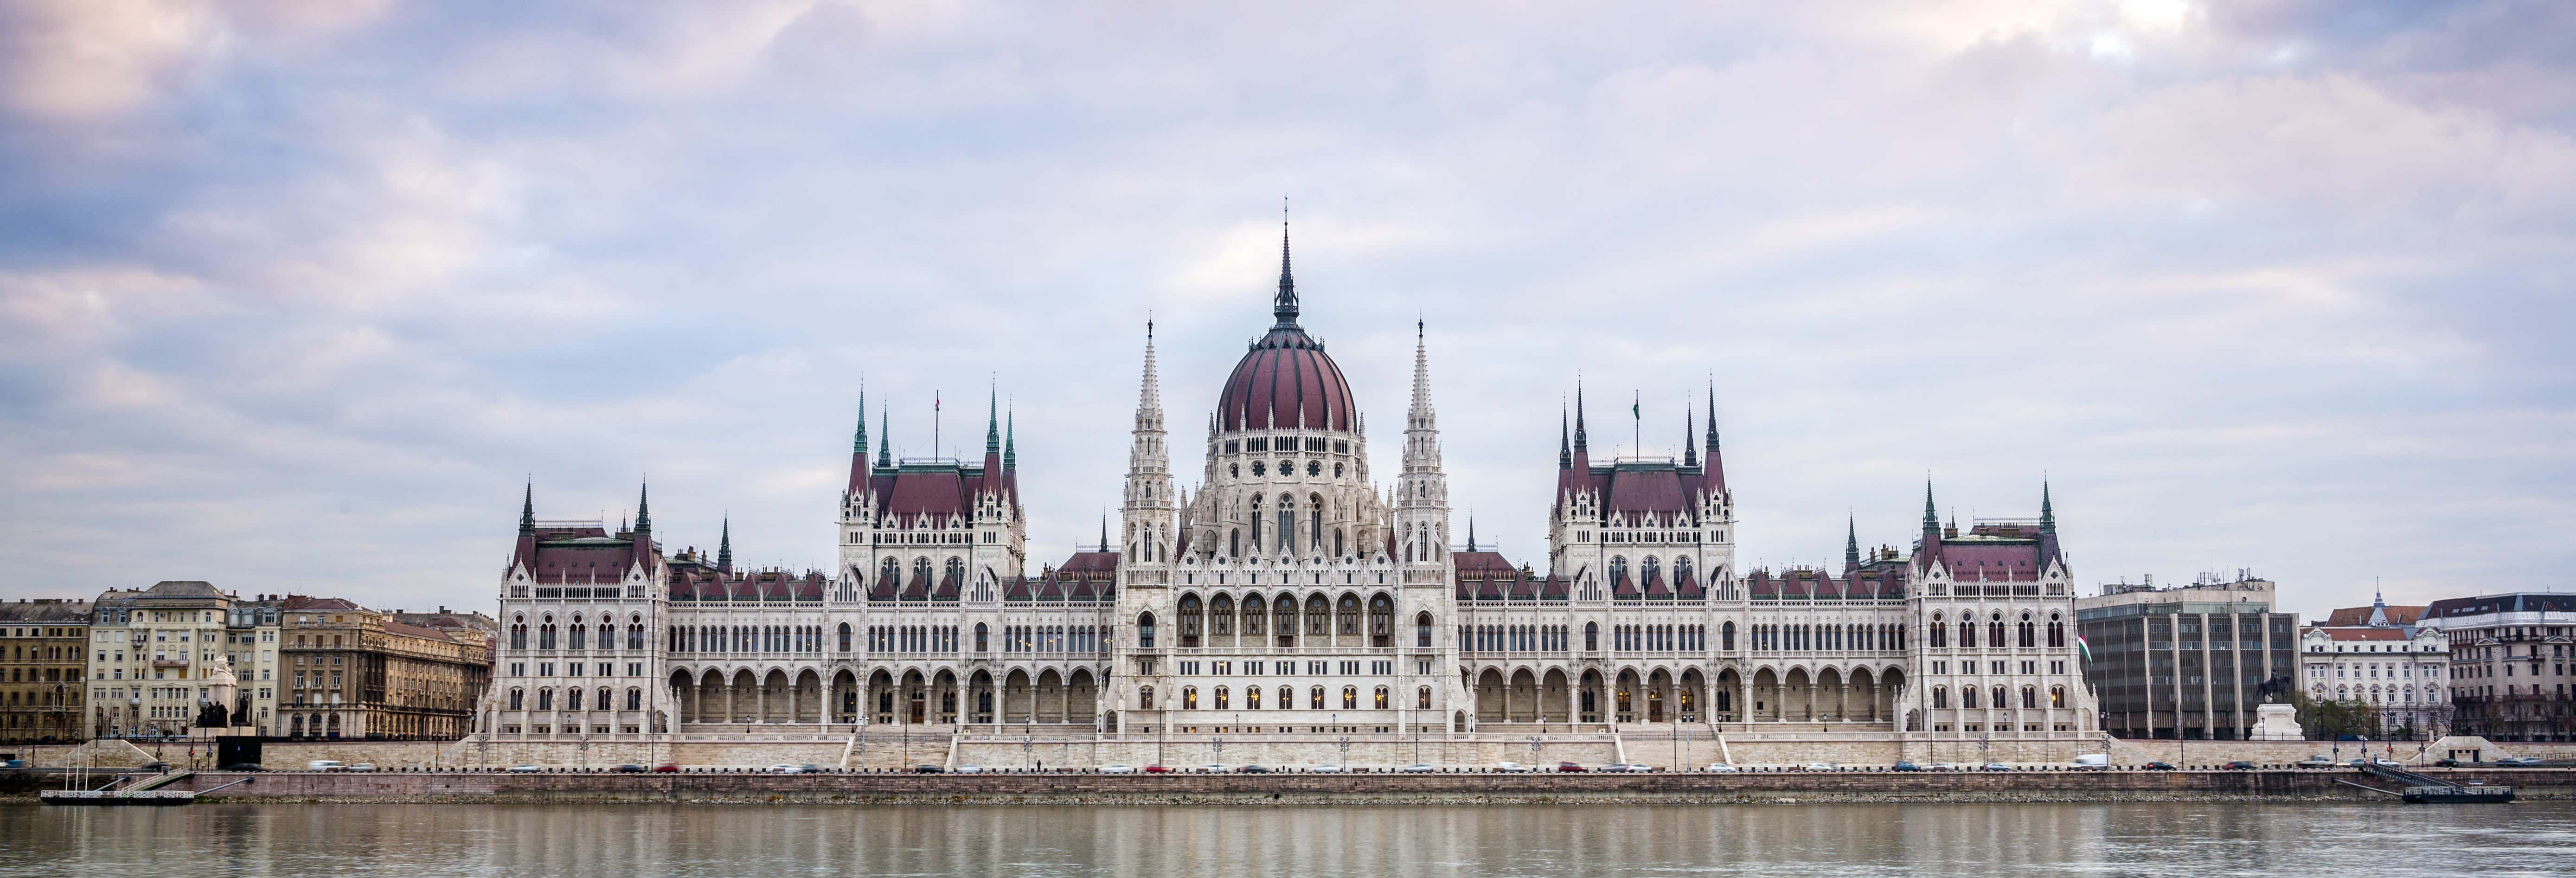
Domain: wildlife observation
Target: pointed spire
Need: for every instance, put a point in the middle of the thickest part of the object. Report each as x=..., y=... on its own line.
x=1284, y=306
x=1931, y=519
x=1690, y=450
x=1104, y=531
x=1149, y=391
x=885, y=456
x=1011, y=438
x=993, y=419
x=1851, y=543
x=1712, y=422
x=859, y=442
x=2047, y=512
x=724, y=546
x=528, y=508
x=1471, y=531
x=644, y=510
x=1578, y=418
x=1421, y=413
x=1564, y=444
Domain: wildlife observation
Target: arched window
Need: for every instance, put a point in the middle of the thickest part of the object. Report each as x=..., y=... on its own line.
x=1145, y=632
x=578, y=630
x=2056, y=630
x=635, y=632
x=1968, y=697
x=1350, y=617
x=1381, y=698
x=1422, y=698
x=1252, y=698
x=1350, y=698
x=1999, y=701
x=1422, y=631
x=1995, y=630
x=1221, y=703
x=1940, y=696
x=1940, y=632
x=1319, y=616
x=956, y=570
x=1234, y=543
x=845, y=636
x=634, y=699
x=1189, y=622
x=890, y=575
x=921, y=570
x=1254, y=611
x=1648, y=568
x=2029, y=698
x=1968, y=632
x=2029, y=632
x=1314, y=516
x=1221, y=616
x=603, y=702
x=545, y=699
x=2057, y=696
x=519, y=633
x=546, y=634
x=1591, y=636
x=1145, y=698
x=1315, y=698
x=1287, y=524
x=1726, y=637
x=1338, y=550
x=1681, y=568
x=518, y=699
x=1618, y=569
x=1283, y=622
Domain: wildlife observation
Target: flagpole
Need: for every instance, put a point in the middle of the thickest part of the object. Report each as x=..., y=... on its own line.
x=934, y=424
x=1637, y=423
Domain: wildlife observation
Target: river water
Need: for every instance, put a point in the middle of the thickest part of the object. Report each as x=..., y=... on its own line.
x=1988, y=841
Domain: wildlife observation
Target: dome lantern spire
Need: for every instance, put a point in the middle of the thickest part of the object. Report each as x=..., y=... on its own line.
x=1284, y=305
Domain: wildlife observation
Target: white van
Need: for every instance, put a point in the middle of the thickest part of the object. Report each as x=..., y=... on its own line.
x=323, y=765
x=2093, y=760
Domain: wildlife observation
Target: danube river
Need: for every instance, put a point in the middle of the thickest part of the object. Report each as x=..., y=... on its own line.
x=614, y=841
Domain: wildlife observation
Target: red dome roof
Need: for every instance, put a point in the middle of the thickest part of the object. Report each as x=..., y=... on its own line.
x=1286, y=382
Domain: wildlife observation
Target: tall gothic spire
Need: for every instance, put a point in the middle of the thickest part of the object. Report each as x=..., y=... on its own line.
x=1690, y=450
x=644, y=511
x=993, y=420
x=1104, y=531
x=1471, y=532
x=1284, y=306
x=1421, y=379
x=1011, y=439
x=1712, y=421
x=1149, y=392
x=528, y=508
x=1931, y=519
x=1851, y=543
x=859, y=442
x=885, y=454
x=2047, y=512
x=724, y=546
x=1578, y=419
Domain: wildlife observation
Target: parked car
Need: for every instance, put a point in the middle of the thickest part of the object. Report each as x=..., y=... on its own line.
x=928, y=769
x=781, y=768
x=2240, y=765
x=1157, y=769
x=2158, y=765
x=1210, y=769
x=1995, y=766
x=362, y=766
x=2092, y=761
x=629, y=768
x=323, y=765
x=2518, y=762
x=970, y=769
x=1253, y=769
x=2446, y=763
x=1719, y=768
x=1941, y=766
x=1907, y=765
x=1817, y=766
x=1329, y=769
x=2318, y=761
x=1418, y=768
x=1118, y=768
x=244, y=766
x=524, y=769
x=667, y=768
x=1628, y=767
x=810, y=768
x=13, y=763
x=1510, y=767
x=1571, y=767
x=157, y=766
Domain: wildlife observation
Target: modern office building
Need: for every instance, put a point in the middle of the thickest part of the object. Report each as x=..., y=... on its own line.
x=2189, y=662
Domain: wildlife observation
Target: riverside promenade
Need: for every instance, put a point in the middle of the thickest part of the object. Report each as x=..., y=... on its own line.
x=1455, y=787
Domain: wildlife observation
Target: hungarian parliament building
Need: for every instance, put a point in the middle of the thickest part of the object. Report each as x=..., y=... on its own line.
x=1287, y=591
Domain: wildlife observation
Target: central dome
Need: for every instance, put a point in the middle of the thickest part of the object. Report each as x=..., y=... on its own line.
x=1285, y=381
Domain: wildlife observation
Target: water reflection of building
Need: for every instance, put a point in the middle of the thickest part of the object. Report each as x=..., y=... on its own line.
x=1287, y=591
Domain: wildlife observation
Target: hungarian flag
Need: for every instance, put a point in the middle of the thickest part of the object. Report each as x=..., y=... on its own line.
x=2086, y=649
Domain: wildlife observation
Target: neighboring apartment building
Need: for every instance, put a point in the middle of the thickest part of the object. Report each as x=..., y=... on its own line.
x=351, y=672
x=2384, y=657
x=250, y=641
x=43, y=659
x=2511, y=663
x=2188, y=662
x=153, y=653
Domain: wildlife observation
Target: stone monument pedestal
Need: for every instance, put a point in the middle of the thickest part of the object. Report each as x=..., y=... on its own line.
x=2277, y=722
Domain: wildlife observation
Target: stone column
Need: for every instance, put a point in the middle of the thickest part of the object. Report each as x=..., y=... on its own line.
x=729, y=714
x=1842, y=702
x=760, y=701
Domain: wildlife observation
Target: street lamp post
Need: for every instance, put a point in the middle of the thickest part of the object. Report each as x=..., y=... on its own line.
x=1219, y=744
x=1345, y=743
x=1028, y=751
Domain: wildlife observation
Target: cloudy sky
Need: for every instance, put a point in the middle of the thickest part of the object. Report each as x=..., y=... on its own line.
x=294, y=294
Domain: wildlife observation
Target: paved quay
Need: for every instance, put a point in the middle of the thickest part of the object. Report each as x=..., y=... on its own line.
x=1372, y=788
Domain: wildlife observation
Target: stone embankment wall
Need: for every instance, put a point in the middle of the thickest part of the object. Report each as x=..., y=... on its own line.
x=1299, y=788
x=1662, y=750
